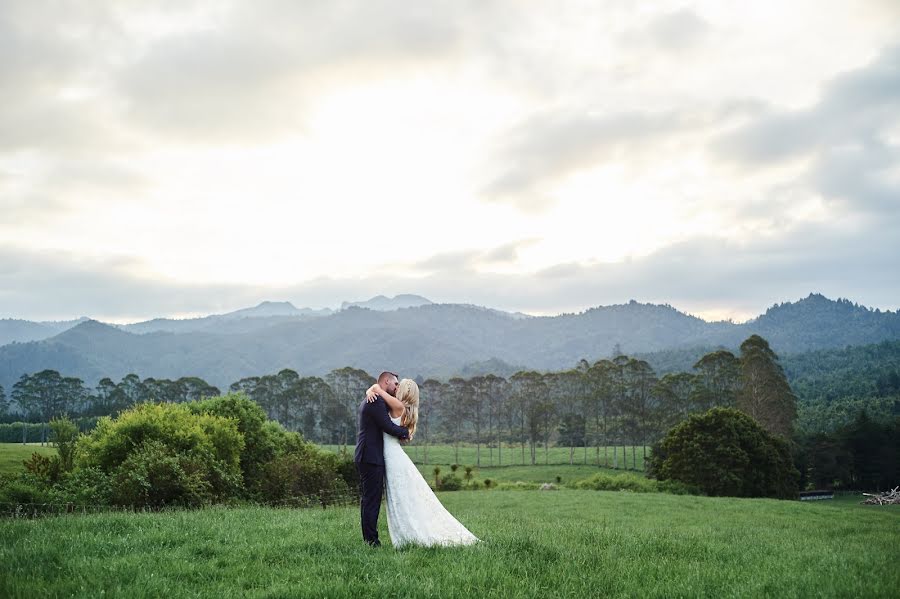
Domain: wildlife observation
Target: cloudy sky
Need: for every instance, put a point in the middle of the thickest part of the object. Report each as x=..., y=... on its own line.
x=182, y=158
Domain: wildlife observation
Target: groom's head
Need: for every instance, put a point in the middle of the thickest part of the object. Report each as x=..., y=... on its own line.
x=388, y=382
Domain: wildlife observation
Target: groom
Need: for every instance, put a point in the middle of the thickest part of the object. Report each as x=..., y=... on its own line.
x=369, y=457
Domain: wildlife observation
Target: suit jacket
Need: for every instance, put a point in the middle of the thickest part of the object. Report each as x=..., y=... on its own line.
x=373, y=421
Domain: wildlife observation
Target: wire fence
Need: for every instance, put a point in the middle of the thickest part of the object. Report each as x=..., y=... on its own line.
x=323, y=500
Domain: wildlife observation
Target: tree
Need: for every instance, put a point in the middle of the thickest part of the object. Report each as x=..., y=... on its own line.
x=431, y=395
x=459, y=392
x=349, y=386
x=725, y=452
x=719, y=380
x=566, y=390
x=602, y=381
x=474, y=405
x=765, y=393
x=495, y=389
x=527, y=390
x=639, y=407
x=46, y=395
x=4, y=405
x=675, y=392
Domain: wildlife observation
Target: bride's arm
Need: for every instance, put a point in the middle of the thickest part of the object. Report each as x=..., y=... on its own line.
x=392, y=402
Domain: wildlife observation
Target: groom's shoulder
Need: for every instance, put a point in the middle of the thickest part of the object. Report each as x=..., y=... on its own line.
x=368, y=405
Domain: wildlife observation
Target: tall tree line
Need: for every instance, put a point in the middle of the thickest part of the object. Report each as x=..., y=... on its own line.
x=607, y=405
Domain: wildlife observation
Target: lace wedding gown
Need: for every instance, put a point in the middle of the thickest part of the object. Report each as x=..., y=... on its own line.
x=414, y=513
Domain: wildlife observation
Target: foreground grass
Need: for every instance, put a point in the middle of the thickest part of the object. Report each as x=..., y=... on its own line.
x=536, y=544
x=12, y=455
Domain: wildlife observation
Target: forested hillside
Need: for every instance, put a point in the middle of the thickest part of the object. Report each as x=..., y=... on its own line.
x=435, y=340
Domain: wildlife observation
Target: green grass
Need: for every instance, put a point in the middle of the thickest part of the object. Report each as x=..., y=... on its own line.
x=536, y=474
x=512, y=455
x=536, y=544
x=12, y=455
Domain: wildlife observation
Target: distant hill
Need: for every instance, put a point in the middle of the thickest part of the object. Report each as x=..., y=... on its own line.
x=12, y=330
x=266, y=314
x=437, y=340
x=383, y=303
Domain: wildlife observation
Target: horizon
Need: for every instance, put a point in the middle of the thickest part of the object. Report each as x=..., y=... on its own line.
x=192, y=158
x=550, y=315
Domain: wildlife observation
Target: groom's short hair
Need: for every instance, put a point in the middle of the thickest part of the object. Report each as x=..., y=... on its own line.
x=384, y=376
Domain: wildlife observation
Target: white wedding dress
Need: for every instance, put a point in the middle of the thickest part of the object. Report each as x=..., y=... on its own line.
x=415, y=515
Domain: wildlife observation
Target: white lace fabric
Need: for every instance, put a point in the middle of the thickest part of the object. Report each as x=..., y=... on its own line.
x=415, y=515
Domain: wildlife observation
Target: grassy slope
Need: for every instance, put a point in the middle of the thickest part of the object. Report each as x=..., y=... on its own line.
x=12, y=455
x=540, y=544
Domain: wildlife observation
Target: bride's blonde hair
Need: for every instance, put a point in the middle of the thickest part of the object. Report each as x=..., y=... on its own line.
x=408, y=394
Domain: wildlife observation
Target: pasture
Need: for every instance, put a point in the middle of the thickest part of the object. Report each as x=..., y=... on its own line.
x=511, y=455
x=536, y=544
x=12, y=455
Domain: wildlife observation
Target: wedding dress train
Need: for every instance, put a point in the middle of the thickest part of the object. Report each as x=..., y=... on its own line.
x=414, y=513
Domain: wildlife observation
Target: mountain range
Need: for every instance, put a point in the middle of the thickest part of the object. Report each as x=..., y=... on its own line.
x=416, y=337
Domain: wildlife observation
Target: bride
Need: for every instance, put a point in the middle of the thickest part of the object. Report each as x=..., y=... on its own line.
x=415, y=515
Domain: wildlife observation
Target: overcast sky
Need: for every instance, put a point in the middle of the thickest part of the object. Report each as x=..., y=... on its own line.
x=183, y=158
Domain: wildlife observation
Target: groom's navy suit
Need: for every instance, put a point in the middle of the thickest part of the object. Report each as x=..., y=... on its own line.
x=369, y=458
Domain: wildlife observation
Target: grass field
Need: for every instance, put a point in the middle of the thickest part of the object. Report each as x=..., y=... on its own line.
x=512, y=455
x=12, y=454
x=536, y=544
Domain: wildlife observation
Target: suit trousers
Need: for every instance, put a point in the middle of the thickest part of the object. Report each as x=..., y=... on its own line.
x=371, y=478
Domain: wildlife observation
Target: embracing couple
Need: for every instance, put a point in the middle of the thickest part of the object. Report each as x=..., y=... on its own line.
x=387, y=417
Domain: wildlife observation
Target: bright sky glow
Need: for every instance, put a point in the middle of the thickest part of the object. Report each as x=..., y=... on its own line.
x=178, y=160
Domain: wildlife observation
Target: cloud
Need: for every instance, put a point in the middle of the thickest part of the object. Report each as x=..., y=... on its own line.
x=678, y=30
x=845, y=137
x=254, y=75
x=858, y=105
x=699, y=275
x=49, y=285
x=463, y=261
x=547, y=147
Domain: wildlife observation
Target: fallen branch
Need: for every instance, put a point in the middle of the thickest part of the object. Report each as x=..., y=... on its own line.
x=891, y=497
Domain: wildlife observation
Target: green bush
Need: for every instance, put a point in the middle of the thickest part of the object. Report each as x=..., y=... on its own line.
x=23, y=489
x=632, y=482
x=264, y=439
x=617, y=482
x=725, y=452
x=304, y=470
x=84, y=486
x=451, y=482
x=46, y=469
x=518, y=486
x=65, y=434
x=165, y=453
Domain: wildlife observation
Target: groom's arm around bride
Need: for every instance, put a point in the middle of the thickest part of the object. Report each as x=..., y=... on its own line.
x=369, y=457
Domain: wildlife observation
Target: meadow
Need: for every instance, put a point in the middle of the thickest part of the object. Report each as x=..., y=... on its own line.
x=535, y=544
x=511, y=455
x=12, y=455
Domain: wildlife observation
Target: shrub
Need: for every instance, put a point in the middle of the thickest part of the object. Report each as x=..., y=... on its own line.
x=153, y=475
x=263, y=439
x=518, y=486
x=725, y=452
x=23, y=489
x=451, y=482
x=165, y=453
x=84, y=486
x=65, y=434
x=617, y=482
x=45, y=469
x=305, y=470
